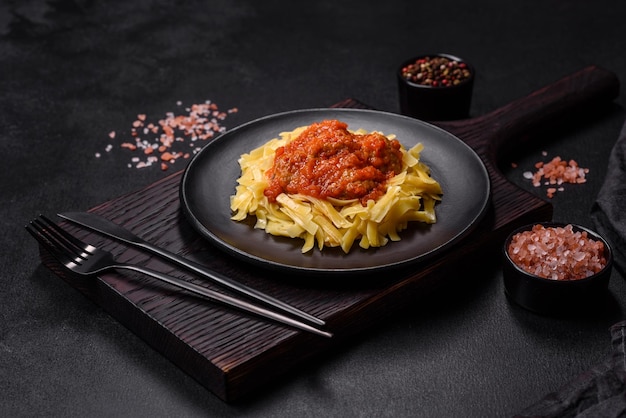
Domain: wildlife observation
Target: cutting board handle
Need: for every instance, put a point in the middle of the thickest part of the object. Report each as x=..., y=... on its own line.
x=498, y=131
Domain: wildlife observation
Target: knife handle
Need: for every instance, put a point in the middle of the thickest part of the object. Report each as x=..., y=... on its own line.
x=225, y=299
x=227, y=282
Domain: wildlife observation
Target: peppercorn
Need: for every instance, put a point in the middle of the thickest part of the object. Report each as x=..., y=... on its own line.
x=436, y=72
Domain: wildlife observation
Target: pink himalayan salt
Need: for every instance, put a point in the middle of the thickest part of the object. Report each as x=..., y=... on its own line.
x=557, y=253
x=556, y=172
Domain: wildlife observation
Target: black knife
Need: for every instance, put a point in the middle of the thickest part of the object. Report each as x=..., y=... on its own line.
x=104, y=226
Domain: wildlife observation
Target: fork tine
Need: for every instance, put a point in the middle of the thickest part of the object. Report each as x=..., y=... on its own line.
x=76, y=251
x=65, y=239
x=35, y=229
x=83, y=246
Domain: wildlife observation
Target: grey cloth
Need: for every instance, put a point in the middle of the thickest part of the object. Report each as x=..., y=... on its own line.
x=597, y=392
x=601, y=390
x=609, y=210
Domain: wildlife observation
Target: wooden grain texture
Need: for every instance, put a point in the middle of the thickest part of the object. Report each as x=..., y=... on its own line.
x=235, y=355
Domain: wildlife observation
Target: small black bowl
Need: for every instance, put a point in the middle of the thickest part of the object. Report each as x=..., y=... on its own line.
x=442, y=97
x=556, y=297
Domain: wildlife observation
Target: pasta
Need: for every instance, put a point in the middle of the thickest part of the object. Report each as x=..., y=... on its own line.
x=410, y=196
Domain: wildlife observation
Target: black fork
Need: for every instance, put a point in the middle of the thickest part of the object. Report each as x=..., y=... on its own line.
x=87, y=260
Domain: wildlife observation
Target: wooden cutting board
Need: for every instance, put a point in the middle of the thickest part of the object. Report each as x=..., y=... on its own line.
x=234, y=354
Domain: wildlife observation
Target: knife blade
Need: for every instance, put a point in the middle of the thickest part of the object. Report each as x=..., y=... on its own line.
x=110, y=229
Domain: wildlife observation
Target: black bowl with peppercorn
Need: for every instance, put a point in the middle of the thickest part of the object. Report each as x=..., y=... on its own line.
x=557, y=269
x=435, y=87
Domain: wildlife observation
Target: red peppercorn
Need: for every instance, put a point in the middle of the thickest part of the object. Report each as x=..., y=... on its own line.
x=436, y=72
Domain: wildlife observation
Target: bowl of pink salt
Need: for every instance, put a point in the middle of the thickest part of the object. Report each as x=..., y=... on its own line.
x=556, y=268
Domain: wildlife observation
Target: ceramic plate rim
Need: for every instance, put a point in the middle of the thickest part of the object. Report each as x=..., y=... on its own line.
x=248, y=248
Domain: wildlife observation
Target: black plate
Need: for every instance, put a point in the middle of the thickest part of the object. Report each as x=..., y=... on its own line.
x=210, y=179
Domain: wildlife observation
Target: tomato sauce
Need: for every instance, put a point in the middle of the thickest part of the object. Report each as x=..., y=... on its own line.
x=327, y=160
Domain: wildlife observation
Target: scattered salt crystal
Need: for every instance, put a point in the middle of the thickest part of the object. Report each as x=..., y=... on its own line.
x=193, y=126
x=556, y=173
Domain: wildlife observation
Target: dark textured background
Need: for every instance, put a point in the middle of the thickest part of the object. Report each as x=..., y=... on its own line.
x=72, y=71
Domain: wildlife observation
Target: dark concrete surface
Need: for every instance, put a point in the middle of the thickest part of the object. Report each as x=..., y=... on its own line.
x=72, y=71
